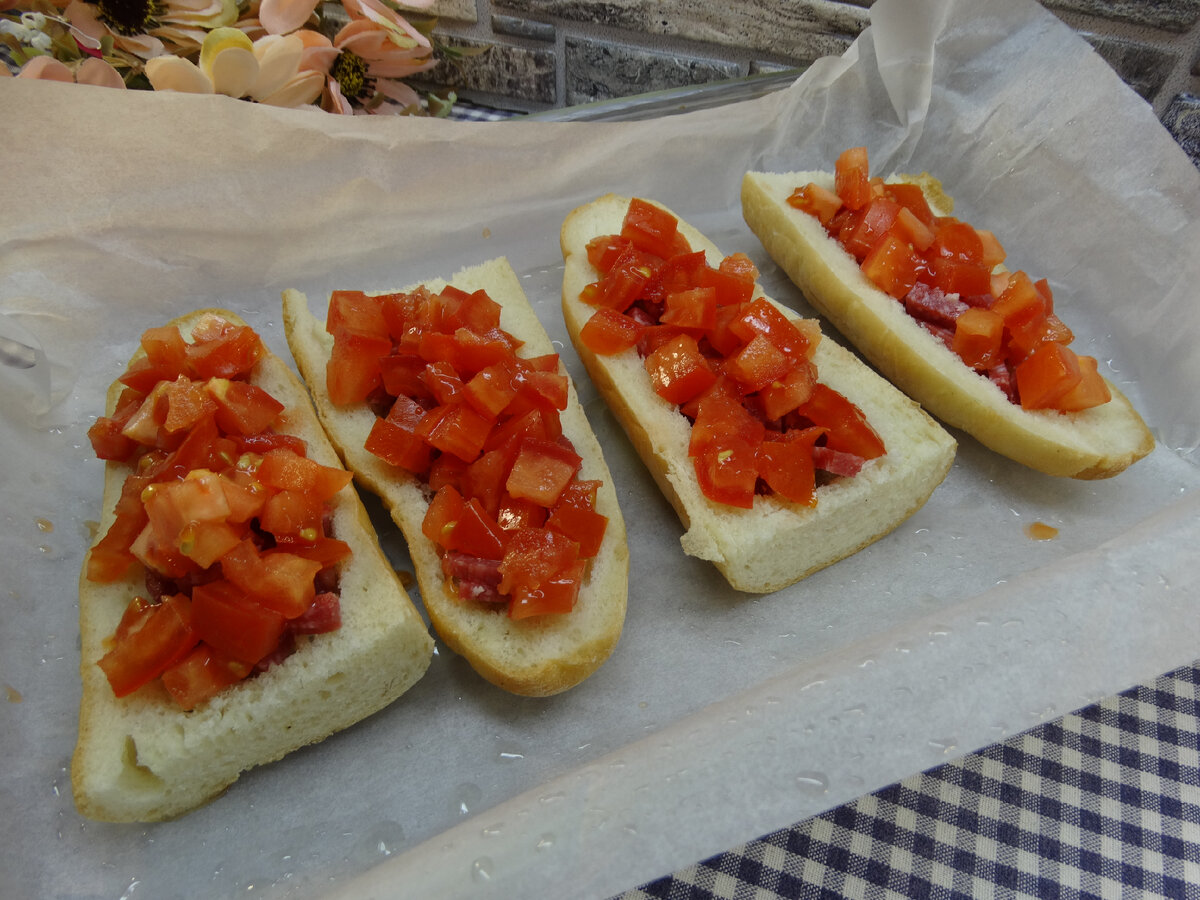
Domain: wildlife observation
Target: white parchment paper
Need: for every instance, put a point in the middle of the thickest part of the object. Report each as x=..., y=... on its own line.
x=720, y=716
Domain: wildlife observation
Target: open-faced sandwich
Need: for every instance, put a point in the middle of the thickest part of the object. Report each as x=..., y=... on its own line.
x=779, y=450
x=235, y=604
x=927, y=300
x=449, y=402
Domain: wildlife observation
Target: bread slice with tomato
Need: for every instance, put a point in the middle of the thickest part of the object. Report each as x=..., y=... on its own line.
x=779, y=450
x=235, y=604
x=448, y=400
x=1012, y=382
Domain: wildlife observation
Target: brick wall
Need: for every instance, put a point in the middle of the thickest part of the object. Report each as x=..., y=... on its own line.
x=549, y=54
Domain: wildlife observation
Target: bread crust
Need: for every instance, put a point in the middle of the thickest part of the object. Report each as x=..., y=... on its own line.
x=1094, y=443
x=776, y=543
x=538, y=656
x=142, y=758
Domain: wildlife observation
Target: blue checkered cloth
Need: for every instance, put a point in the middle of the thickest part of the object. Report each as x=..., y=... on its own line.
x=1101, y=803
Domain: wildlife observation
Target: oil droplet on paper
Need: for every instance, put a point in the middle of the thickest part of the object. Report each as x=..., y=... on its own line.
x=944, y=744
x=14, y=696
x=813, y=782
x=481, y=869
x=487, y=233
x=44, y=525
x=546, y=841
x=1040, y=531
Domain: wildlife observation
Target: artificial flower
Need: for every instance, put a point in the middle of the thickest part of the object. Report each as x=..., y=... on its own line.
x=89, y=71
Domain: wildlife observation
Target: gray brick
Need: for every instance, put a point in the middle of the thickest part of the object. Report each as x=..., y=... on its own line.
x=1169, y=15
x=598, y=70
x=792, y=28
x=1182, y=119
x=503, y=70
x=1143, y=67
x=515, y=26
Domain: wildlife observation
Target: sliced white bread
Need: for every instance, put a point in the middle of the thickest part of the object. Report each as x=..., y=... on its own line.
x=775, y=543
x=142, y=758
x=1095, y=443
x=537, y=656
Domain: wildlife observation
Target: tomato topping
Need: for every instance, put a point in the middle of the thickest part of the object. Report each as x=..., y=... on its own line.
x=736, y=366
x=480, y=426
x=945, y=272
x=226, y=516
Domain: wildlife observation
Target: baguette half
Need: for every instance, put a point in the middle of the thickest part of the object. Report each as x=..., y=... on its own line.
x=536, y=656
x=775, y=543
x=142, y=758
x=1095, y=443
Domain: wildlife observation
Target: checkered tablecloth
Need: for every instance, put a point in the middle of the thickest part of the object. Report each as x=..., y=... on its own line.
x=1104, y=802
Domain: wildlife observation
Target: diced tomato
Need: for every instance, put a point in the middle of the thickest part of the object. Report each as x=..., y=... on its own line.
x=848, y=428
x=678, y=371
x=287, y=470
x=608, y=332
x=442, y=515
x=781, y=397
x=277, y=579
x=758, y=364
x=356, y=312
x=870, y=227
x=957, y=276
x=242, y=407
x=228, y=619
x=912, y=198
x=1091, y=390
x=694, y=309
x=533, y=556
x=232, y=350
x=583, y=525
x=604, y=250
x=292, y=514
x=787, y=465
x=150, y=640
x=353, y=370
x=816, y=201
x=852, y=179
x=456, y=429
x=977, y=337
x=957, y=240
x=201, y=675
x=992, y=252
x=398, y=446
x=477, y=533
x=912, y=230
x=650, y=228
x=762, y=317
x=541, y=471
x=720, y=417
x=1046, y=375
x=728, y=474
x=891, y=265
x=555, y=595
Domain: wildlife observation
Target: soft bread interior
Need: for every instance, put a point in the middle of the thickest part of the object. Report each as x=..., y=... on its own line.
x=776, y=542
x=1095, y=443
x=141, y=758
x=537, y=656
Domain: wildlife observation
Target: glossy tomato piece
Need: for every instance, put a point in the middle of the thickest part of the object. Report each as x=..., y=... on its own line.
x=607, y=332
x=150, y=638
x=477, y=533
x=533, y=556
x=957, y=240
x=720, y=417
x=728, y=474
x=891, y=265
x=977, y=337
x=1046, y=375
x=277, y=579
x=783, y=396
x=201, y=675
x=912, y=198
x=604, y=250
x=958, y=276
x=1091, y=390
x=224, y=350
x=242, y=408
x=869, y=228
x=227, y=618
x=816, y=201
x=847, y=427
x=758, y=364
x=852, y=177
x=456, y=429
x=760, y=316
x=353, y=370
x=694, y=309
x=442, y=515
x=650, y=228
x=287, y=470
x=541, y=471
x=294, y=515
x=356, y=312
x=786, y=465
x=583, y=525
x=554, y=596
x=678, y=370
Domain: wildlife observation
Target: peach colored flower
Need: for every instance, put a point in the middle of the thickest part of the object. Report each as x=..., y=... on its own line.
x=90, y=71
